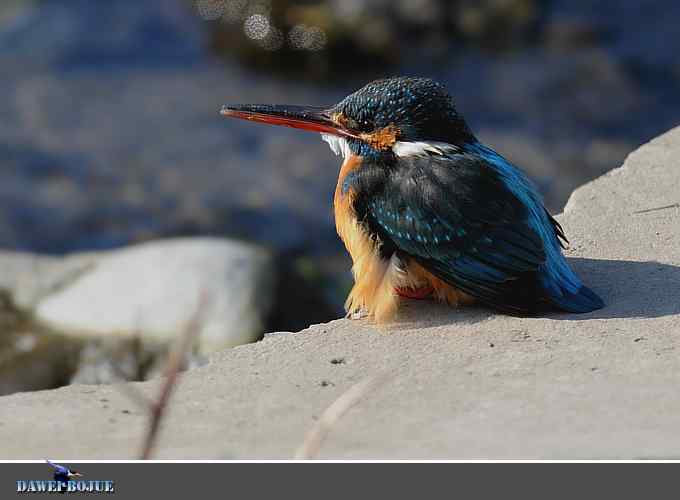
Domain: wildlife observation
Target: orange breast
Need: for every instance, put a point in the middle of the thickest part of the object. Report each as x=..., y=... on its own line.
x=345, y=219
x=373, y=290
x=376, y=279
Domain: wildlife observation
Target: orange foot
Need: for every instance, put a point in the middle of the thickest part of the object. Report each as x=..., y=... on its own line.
x=415, y=293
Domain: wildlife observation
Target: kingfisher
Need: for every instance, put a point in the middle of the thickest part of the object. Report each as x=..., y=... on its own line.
x=63, y=474
x=426, y=210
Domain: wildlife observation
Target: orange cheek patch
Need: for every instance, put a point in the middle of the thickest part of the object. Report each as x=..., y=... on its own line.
x=381, y=139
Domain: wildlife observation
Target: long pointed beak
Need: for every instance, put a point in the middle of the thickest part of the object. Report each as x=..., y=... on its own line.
x=301, y=117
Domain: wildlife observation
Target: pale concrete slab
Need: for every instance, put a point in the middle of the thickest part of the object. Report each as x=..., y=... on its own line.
x=463, y=384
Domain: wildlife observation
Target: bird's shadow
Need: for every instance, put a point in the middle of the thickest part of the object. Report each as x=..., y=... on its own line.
x=629, y=289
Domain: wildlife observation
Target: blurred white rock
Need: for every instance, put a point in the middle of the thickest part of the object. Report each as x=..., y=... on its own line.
x=152, y=290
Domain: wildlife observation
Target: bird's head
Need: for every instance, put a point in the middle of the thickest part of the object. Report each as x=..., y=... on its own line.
x=377, y=121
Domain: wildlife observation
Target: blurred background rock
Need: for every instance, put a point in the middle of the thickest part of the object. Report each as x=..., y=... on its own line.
x=110, y=133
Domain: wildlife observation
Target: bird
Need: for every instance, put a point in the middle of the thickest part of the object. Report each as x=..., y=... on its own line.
x=426, y=210
x=63, y=474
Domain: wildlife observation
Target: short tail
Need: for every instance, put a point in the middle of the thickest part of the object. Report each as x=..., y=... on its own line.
x=563, y=288
x=583, y=301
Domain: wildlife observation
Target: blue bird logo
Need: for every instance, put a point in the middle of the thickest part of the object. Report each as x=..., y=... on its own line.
x=63, y=474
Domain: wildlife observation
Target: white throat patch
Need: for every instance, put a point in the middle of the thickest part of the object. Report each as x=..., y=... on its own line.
x=338, y=145
x=423, y=148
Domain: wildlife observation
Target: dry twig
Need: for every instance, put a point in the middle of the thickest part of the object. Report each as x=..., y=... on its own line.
x=656, y=209
x=317, y=434
x=174, y=365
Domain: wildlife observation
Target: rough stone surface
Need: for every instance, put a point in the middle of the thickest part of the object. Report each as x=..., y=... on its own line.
x=462, y=384
x=153, y=289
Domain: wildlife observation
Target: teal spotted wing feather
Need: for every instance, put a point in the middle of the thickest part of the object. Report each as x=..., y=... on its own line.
x=461, y=217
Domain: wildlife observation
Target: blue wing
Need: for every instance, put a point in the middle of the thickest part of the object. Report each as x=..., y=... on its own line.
x=475, y=221
x=60, y=469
